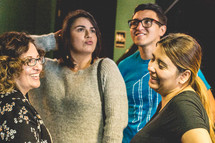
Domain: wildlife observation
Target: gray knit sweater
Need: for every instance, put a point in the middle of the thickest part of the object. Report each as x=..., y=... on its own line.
x=69, y=103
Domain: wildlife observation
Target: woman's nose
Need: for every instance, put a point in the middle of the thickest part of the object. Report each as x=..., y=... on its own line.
x=151, y=67
x=88, y=34
x=38, y=66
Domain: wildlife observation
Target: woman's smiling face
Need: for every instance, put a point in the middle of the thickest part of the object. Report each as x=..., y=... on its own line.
x=29, y=77
x=164, y=75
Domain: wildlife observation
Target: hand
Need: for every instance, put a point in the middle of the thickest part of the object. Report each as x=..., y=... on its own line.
x=57, y=35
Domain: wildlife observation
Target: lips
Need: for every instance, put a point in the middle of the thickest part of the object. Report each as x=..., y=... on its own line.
x=153, y=79
x=139, y=33
x=35, y=76
x=89, y=42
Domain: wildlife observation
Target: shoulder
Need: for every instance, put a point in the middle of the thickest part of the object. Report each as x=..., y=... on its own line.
x=12, y=103
x=130, y=59
x=13, y=95
x=188, y=108
x=186, y=97
x=109, y=68
x=186, y=102
x=107, y=64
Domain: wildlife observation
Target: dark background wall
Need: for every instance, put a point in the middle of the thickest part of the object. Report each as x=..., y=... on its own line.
x=196, y=18
x=32, y=16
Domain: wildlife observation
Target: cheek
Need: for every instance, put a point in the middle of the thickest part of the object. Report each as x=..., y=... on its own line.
x=132, y=33
x=164, y=76
x=76, y=43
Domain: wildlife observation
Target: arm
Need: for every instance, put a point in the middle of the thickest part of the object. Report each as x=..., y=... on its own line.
x=198, y=135
x=116, y=104
x=46, y=42
x=210, y=94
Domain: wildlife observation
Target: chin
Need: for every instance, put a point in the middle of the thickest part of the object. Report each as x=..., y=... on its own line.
x=153, y=86
x=36, y=85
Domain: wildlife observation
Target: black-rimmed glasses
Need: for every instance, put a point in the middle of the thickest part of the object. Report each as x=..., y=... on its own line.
x=33, y=61
x=146, y=23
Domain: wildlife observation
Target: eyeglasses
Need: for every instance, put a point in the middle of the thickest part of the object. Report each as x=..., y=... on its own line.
x=32, y=61
x=146, y=23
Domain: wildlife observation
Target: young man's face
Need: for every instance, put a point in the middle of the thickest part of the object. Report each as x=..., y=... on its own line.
x=142, y=36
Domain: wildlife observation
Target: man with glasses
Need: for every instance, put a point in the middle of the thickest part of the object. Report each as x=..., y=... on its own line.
x=147, y=25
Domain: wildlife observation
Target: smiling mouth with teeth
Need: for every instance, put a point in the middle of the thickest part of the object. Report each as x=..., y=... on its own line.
x=139, y=34
x=35, y=76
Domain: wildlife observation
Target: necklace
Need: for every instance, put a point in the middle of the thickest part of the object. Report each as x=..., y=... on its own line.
x=77, y=67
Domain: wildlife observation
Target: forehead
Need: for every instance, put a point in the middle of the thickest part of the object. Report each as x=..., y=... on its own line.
x=82, y=21
x=145, y=14
x=32, y=51
x=161, y=54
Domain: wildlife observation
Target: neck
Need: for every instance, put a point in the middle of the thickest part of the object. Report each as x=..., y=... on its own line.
x=23, y=91
x=169, y=96
x=81, y=63
x=146, y=52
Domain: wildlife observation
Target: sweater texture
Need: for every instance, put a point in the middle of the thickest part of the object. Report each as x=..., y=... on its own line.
x=70, y=104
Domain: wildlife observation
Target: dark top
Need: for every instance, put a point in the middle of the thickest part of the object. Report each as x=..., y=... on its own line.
x=181, y=114
x=19, y=121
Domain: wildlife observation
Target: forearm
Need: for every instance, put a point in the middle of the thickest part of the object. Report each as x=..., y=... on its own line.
x=46, y=42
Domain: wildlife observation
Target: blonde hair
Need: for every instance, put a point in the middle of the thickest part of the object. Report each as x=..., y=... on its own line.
x=10, y=68
x=186, y=54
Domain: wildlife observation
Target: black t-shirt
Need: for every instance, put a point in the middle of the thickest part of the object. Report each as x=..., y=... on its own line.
x=19, y=121
x=181, y=114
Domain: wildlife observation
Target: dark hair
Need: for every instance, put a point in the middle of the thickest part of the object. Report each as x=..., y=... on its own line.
x=12, y=46
x=154, y=7
x=65, y=43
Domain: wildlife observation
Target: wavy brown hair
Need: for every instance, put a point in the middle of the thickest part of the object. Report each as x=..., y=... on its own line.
x=12, y=46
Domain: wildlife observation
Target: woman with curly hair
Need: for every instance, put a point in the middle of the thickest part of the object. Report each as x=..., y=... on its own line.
x=20, y=68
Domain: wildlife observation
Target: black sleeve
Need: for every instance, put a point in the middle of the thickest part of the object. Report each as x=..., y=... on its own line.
x=18, y=123
x=190, y=114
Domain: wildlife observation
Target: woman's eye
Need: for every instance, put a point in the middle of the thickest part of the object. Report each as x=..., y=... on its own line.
x=30, y=60
x=80, y=29
x=153, y=59
x=161, y=67
x=93, y=30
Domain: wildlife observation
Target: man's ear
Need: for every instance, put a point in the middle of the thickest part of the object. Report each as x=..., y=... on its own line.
x=163, y=29
x=185, y=76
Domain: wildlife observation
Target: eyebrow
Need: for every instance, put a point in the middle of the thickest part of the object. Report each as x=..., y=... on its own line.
x=84, y=26
x=31, y=56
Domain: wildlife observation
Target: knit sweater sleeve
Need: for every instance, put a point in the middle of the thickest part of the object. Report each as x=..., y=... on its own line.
x=46, y=42
x=115, y=100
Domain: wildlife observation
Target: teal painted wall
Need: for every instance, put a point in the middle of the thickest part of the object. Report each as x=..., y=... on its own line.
x=124, y=12
x=32, y=16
